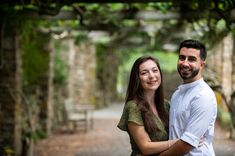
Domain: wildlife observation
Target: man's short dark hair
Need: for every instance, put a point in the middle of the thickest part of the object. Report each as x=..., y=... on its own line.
x=196, y=45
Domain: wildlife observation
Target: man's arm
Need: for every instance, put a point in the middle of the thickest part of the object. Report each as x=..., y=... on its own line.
x=177, y=149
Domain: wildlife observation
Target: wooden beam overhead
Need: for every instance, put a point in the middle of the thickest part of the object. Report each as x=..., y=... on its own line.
x=140, y=15
x=71, y=15
x=69, y=2
x=120, y=1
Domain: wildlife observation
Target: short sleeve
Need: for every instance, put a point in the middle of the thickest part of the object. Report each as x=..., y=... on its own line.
x=203, y=115
x=131, y=113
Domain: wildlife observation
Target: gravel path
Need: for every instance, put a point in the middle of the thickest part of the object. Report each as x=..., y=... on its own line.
x=107, y=140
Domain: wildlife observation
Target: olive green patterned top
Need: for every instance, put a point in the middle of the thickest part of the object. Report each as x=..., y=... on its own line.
x=131, y=113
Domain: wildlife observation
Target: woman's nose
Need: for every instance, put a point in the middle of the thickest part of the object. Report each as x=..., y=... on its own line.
x=151, y=74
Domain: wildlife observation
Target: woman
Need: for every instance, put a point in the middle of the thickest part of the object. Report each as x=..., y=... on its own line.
x=145, y=115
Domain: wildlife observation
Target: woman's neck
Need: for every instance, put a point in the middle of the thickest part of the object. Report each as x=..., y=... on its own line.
x=152, y=105
x=150, y=97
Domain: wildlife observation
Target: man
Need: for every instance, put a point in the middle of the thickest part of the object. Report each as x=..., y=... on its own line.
x=193, y=105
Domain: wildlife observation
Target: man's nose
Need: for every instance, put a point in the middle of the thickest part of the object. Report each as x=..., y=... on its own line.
x=185, y=62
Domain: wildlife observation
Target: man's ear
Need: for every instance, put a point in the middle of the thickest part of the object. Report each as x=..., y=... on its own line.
x=203, y=64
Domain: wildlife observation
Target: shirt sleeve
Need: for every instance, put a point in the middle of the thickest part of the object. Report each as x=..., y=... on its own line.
x=203, y=113
x=131, y=113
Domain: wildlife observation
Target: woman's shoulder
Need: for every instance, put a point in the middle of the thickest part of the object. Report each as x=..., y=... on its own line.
x=131, y=113
x=131, y=104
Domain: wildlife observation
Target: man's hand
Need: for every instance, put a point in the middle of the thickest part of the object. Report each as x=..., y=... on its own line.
x=178, y=149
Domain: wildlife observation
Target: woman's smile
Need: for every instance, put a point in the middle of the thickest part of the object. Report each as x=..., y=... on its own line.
x=152, y=82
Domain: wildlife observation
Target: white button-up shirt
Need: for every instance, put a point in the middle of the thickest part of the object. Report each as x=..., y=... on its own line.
x=193, y=113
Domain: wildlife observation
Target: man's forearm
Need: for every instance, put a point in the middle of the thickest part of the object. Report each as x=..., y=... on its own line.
x=178, y=149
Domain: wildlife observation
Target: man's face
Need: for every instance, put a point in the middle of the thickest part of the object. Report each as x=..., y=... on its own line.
x=190, y=64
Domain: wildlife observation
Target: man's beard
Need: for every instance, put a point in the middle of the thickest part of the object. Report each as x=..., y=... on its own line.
x=188, y=76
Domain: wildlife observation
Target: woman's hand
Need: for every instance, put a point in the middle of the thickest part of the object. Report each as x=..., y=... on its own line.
x=201, y=142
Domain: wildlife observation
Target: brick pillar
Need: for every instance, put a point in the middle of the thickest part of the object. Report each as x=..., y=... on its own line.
x=10, y=87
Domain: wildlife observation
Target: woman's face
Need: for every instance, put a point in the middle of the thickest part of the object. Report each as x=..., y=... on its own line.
x=149, y=74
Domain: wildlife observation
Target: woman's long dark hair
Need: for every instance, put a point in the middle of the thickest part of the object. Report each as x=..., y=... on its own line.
x=135, y=92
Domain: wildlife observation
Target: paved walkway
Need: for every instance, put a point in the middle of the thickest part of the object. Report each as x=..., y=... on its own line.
x=107, y=140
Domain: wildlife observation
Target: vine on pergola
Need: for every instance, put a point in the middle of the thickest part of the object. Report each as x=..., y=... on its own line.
x=111, y=12
x=156, y=22
x=125, y=20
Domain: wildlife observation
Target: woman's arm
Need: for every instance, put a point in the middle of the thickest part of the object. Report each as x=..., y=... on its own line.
x=144, y=143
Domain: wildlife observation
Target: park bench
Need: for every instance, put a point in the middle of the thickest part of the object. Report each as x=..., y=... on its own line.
x=78, y=116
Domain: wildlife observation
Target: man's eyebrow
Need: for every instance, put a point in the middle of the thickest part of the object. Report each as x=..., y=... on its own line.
x=193, y=57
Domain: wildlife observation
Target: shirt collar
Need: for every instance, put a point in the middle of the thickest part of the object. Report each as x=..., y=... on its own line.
x=185, y=87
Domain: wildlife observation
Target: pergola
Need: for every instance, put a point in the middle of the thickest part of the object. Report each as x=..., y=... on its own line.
x=53, y=9
x=89, y=19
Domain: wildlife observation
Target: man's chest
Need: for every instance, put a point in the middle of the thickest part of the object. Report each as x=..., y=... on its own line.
x=180, y=110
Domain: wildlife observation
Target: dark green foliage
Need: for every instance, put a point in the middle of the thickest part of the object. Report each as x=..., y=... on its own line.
x=81, y=37
x=100, y=59
x=60, y=68
x=34, y=54
x=35, y=136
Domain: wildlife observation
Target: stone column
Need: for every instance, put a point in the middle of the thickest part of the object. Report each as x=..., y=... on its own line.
x=223, y=55
x=46, y=84
x=109, y=76
x=71, y=57
x=232, y=101
x=84, y=73
x=227, y=57
x=233, y=67
x=220, y=60
x=10, y=89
